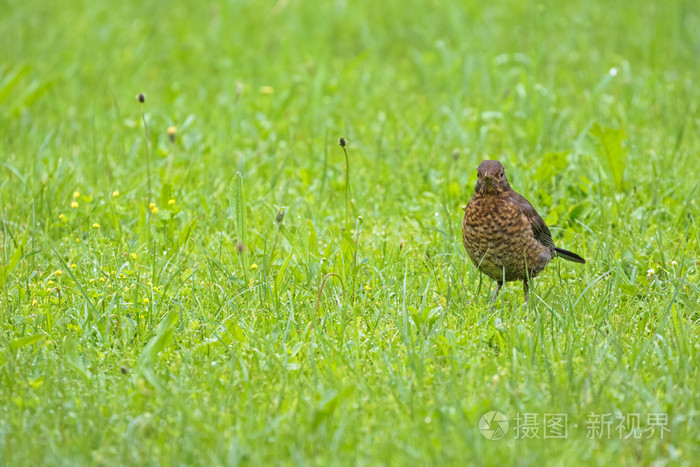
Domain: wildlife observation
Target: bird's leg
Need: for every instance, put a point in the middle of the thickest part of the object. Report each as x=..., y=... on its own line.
x=526, y=289
x=500, y=284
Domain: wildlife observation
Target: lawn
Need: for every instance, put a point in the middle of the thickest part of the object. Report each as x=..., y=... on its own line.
x=208, y=278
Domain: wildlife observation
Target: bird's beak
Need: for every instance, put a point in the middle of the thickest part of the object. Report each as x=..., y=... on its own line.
x=490, y=178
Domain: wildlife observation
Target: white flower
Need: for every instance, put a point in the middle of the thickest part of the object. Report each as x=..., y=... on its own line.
x=650, y=272
x=674, y=263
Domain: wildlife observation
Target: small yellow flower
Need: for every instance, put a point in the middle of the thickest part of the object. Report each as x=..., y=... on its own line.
x=171, y=202
x=115, y=193
x=77, y=240
x=34, y=302
x=133, y=255
x=49, y=283
x=146, y=301
x=73, y=266
x=58, y=272
x=62, y=217
x=368, y=287
x=74, y=204
x=154, y=210
x=253, y=266
x=266, y=90
x=102, y=279
x=171, y=132
x=151, y=206
x=95, y=225
x=76, y=194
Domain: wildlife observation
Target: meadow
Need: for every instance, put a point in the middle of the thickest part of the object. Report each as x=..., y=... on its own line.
x=207, y=278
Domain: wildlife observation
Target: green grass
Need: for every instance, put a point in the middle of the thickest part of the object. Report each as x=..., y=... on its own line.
x=204, y=333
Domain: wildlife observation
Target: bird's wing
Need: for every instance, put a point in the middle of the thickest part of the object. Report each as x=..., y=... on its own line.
x=539, y=228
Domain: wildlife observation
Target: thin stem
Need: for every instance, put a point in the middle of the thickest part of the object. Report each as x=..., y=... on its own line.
x=148, y=157
x=320, y=291
x=347, y=190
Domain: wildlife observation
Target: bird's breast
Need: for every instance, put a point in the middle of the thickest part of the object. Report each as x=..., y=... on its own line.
x=498, y=239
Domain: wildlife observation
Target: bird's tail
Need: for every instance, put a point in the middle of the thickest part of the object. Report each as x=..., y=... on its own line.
x=569, y=256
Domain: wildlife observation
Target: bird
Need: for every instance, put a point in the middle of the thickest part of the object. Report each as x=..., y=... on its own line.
x=503, y=234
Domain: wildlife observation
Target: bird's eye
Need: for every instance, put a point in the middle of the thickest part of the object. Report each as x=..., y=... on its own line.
x=478, y=175
x=502, y=174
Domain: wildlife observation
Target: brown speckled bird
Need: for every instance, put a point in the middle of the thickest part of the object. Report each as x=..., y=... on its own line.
x=503, y=234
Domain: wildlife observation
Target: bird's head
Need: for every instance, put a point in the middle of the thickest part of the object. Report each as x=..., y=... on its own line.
x=491, y=179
